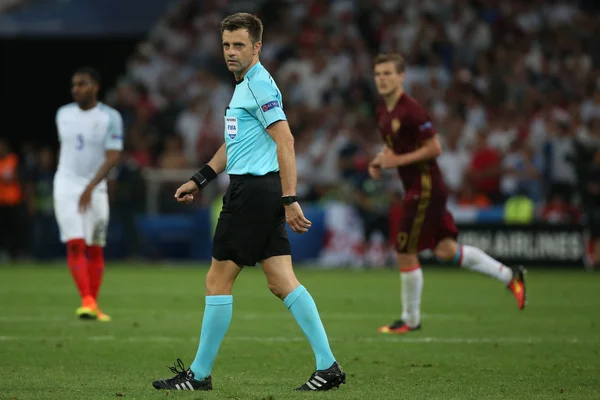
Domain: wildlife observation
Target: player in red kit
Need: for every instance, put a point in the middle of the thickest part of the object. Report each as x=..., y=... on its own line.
x=412, y=146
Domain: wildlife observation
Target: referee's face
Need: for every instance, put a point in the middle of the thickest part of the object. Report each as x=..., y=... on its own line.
x=239, y=50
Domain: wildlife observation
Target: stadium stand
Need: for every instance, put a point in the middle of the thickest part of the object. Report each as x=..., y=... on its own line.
x=513, y=88
x=512, y=85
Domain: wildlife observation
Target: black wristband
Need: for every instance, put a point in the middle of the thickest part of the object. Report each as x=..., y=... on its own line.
x=203, y=177
x=287, y=200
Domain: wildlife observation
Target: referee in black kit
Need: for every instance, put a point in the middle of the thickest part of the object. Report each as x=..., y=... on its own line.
x=258, y=154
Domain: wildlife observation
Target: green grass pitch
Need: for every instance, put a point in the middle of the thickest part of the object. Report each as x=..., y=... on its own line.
x=475, y=344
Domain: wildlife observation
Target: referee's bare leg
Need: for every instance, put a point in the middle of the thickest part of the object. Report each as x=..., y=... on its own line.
x=217, y=314
x=280, y=275
x=283, y=283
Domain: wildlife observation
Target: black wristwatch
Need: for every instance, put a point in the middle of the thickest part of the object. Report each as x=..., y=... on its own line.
x=287, y=200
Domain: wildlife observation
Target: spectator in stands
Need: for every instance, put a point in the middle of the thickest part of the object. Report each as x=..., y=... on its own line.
x=558, y=211
x=585, y=143
x=210, y=137
x=11, y=198
x=140, y=151
x=28, y=165
x=373, y=200
x=304, y=169
x=41, y=206
x=189, y=124
x=486, y=169
x=329, y=137
x=29, y=159
x=455, y=159
x=590, y=108
x=171, y=158
x=165, y=118
x=593, y=207
x=503, y=133
x=467, y=196
x=127, y=196
x=523, y=170
x=560, y=157
x=475, y=112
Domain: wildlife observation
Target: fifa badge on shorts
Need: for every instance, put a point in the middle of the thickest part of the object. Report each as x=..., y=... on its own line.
x=395, y=125
x=231, y=126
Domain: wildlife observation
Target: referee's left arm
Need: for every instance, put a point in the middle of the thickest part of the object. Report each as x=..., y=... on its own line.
x=282, y=135
x=269, y=112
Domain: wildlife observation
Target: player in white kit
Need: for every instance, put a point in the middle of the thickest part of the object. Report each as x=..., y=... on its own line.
x=91, y=141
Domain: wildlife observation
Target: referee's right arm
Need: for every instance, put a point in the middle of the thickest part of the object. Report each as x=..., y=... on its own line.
x=219, y=160
x=217, y=164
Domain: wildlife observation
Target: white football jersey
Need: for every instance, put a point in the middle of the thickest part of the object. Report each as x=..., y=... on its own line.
x=84, y=137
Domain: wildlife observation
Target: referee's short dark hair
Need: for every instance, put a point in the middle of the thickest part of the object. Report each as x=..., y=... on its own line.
x=91, y=72
x=244, y=21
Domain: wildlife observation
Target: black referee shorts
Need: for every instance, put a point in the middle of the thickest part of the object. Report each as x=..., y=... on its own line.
x=251, y=226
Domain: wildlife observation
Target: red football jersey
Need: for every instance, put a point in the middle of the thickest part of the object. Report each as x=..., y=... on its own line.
x=404, y=129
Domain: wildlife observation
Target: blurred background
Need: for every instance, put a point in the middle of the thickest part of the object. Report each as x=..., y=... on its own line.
x=513, y=88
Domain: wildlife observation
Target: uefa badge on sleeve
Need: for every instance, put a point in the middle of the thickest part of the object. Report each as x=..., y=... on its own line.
x=272, y=104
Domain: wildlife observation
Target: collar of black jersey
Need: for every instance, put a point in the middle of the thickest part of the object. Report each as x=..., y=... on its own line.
x=250, y=72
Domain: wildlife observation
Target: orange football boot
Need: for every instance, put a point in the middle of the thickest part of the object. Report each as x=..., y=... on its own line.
x=517, y=287
x=398, y=327
x=88, y=308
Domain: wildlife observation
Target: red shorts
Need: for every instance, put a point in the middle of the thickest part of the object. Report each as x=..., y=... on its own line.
x=423, y=223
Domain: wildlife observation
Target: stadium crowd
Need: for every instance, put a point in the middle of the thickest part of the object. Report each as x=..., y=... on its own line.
x=512, y=87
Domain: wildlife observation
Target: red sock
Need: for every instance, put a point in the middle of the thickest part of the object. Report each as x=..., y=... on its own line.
x=95, y=255
x=79, y=268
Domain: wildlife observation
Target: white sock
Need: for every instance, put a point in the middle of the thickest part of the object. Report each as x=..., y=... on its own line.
x=411, y=288
x=476, y=260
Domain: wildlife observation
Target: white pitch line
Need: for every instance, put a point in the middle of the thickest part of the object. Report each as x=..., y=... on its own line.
x=276, y=316
x=32, y=318
x=251, y=316
x=292, y=339
x=355, y=316
x=480, y=340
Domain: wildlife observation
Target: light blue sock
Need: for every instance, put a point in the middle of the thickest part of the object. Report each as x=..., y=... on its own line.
x=304, y=310
x=217, y=316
